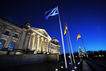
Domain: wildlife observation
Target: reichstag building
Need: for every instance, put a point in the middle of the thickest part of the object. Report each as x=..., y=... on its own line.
x=23, y=39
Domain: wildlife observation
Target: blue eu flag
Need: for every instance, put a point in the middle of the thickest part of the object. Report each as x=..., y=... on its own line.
x=52, y=12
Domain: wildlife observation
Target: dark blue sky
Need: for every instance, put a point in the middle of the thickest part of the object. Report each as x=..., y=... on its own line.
x=87, y=17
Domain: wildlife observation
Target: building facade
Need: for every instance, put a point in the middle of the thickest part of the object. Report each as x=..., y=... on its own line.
x=14, y=38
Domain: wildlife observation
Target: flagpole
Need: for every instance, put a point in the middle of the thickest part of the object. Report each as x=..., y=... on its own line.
x=62, y=38
x=84, y=48
x=69, y=50
x=71, y=46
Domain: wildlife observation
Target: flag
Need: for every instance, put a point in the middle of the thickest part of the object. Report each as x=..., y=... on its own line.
x=52, y=12
x=65, y=29
x=79, y=36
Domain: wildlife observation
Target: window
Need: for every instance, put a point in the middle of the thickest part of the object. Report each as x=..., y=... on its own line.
x=6, y=33
x=2, y=42
x=16, y=36
x=11, y=46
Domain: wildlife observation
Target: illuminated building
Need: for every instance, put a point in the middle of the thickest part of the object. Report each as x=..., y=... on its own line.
x=25, y=39
x=81, y=53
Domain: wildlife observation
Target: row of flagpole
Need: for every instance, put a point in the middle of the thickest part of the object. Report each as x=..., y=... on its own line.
x=71, y=47
x=62, y=39
x=54, y=12
x=67, y=42
x=71, y=56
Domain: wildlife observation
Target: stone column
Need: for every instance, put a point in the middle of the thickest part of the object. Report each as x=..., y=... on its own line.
x=22, y=40
x=33, y=41
x=35, y=44
x=42, y=44
x=47, y=45
x=38, y=43
x=30, y=41
x=2, y=30
x=26, y=41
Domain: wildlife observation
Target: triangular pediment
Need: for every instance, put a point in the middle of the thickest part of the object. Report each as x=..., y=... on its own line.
x=42, y=31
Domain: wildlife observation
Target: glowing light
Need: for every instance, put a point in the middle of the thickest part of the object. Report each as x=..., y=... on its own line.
x=78, y=63
x=73, y=70
x=76, y=56
x=69, y=56
x=56, y=69
x=75, y=67
x=99, y=55
x=61, y=66
x=44, y=52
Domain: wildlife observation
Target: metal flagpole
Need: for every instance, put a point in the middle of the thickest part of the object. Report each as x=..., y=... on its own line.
x=84, y=47
x=71, y=46
x=62, y=38
x=69, y=50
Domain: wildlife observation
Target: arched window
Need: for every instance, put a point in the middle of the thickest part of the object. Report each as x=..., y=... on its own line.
x=11, y=46
x=2, y=42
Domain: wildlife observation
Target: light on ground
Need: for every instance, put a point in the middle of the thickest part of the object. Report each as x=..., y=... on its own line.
x=61, y=66
x=78, y=63
x=69, y=56
x=73, y=70
x=56, y=69
x=75, y=67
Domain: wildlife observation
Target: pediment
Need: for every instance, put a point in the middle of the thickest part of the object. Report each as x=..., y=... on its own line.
x=42, y=31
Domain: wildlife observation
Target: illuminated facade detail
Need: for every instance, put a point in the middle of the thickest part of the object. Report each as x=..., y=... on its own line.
x=26, y=39
x=54, y=46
